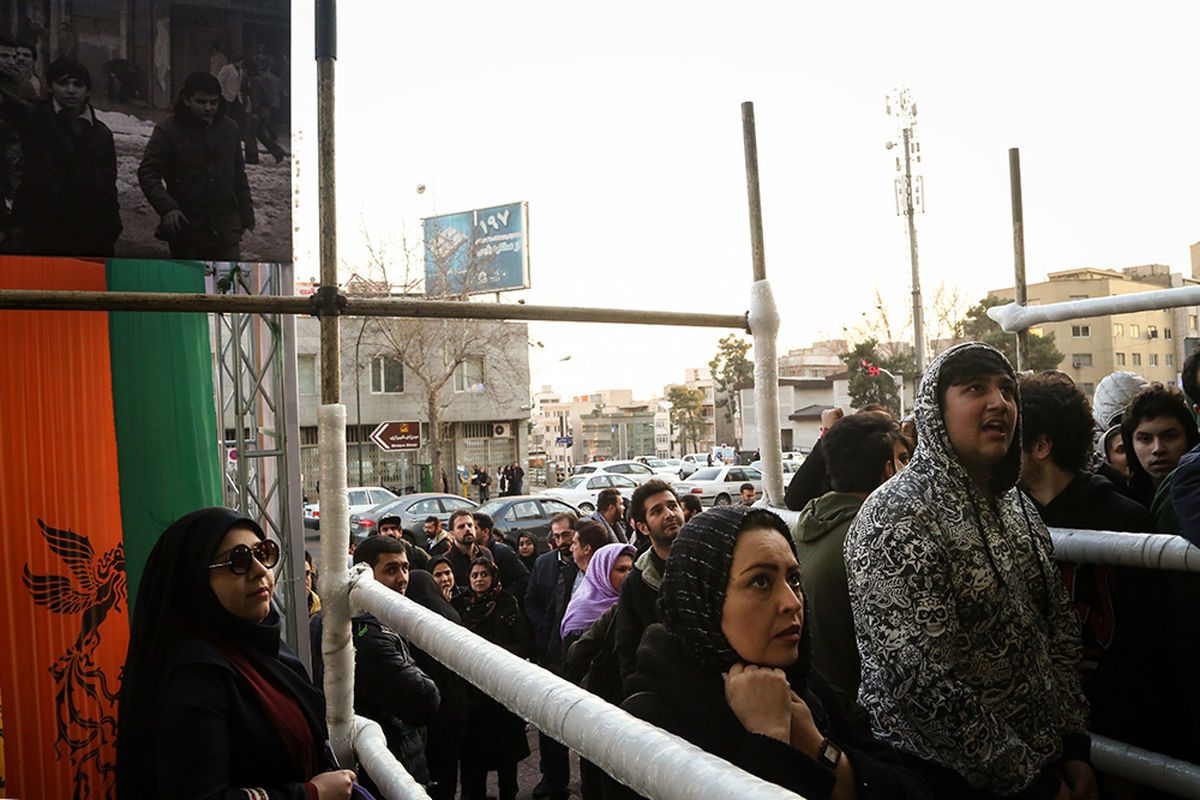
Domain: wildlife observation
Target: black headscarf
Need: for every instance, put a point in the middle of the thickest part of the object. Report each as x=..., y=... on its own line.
x=423, y=589
x=692, y=598
x=175, y=603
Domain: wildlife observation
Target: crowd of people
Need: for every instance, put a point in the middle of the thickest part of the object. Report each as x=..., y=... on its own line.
x=58, y=160
x=911, y=635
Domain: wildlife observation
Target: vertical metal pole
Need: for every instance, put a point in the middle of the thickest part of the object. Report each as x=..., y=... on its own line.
x=750, y=142
x=763, y=321
x=336, y=648
x=918, y=315
x=1018, y=218
x=326, y=52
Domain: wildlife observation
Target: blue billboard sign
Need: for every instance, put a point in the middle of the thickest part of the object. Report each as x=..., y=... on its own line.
x=478, y=251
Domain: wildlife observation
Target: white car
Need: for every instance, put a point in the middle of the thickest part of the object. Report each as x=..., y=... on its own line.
x=720, y=486
x=582, y=491
x=635, y=470
x=662, y=465
x=694, y=461
x=361, y=498
x=789, y=466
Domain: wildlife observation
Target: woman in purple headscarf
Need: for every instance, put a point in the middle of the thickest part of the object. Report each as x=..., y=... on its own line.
x=598, y=590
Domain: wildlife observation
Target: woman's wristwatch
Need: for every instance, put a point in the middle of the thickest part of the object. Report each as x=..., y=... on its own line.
x=829, y=754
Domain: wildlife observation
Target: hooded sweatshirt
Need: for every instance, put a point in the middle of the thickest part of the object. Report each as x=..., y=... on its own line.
x=820, y=535
x=969, y=650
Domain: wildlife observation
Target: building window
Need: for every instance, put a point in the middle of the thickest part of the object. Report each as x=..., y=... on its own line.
x=1120, y=359
x=1081, y=331
x=1193, y=319
x=1036, y=332
x=1135, y=331
x=1081, y=360
x=1118, y=329
x=1154, y=359
x=1152, y=331
x=1166, y=333
x=468, y=376
x=1077, y=297
x=1170, y=359
x=387, y=375
x=306, y=374
x=1088, y=388
x=1137, y=359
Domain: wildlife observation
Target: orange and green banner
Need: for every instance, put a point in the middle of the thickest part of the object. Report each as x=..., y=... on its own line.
x=107, y=434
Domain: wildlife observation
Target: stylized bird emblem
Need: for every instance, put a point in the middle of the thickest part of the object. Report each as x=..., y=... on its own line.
x=96, y=589
x=85, y=707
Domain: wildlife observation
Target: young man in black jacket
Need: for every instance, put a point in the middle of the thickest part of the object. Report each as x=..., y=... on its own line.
x=193, y=174
x=658, y=515
x=388, y=685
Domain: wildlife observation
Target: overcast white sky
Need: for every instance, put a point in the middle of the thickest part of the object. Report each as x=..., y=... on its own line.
x=621, y=126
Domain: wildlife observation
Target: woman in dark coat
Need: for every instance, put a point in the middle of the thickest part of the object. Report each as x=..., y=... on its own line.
x=728, y=668
x=213, y=704
x=498, y=735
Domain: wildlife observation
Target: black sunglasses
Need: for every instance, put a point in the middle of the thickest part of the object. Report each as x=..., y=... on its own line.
x=242, y=557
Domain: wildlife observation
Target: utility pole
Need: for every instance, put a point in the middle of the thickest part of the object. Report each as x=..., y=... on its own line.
x=910, y=198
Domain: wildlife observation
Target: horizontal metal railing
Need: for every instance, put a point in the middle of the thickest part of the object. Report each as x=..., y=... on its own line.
x=389, y=775
x=651, y=761
x=1014, y=318
x=48, y=300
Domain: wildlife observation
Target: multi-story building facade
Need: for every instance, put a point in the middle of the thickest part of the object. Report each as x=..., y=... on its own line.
x=1151, y=343
x=483, y=406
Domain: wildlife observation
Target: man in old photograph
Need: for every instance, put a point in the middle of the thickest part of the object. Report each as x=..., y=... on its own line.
x=193, y=175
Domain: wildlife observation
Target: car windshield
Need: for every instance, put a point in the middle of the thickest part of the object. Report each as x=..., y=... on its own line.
x=656, y=464
x=492, y=509
x=573, y=483
x=706, y=474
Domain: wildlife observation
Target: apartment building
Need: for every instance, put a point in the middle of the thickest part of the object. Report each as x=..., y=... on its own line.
x=1151, y=343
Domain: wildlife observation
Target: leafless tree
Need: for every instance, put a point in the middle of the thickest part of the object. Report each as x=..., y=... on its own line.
x=443, y=359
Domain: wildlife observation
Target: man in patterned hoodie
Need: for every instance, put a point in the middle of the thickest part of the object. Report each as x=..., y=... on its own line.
x=969, y=650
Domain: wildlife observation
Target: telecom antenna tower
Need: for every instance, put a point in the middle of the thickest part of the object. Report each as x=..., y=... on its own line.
x=910, y=199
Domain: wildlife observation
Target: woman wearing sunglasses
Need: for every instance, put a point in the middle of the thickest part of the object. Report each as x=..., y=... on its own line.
x=213, y=704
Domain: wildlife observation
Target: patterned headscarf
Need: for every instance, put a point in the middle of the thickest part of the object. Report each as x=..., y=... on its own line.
x=692, y=598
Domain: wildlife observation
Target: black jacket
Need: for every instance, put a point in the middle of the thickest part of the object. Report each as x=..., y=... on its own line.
x=198, y=169
x=637, y=608
x=388, y=687
x=67, y=202
x=228, y=741
x=672, y=691
x=546, y=599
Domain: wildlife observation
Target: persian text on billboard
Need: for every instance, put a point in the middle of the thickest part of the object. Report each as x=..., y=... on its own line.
x=484, y=250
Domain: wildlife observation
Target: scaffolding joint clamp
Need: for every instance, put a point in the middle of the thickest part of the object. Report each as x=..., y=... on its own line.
x=326, y=302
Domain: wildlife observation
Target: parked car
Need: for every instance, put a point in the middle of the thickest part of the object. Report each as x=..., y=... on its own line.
x=412, y=509
x=789, y=466
x=719, y=486
x=664, y=466
x=582, y=491
x=361, y=498
x=634, y=470
x=694, y=461
x=525, y=512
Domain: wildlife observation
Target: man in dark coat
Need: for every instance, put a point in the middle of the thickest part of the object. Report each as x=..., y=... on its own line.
x=67, y=200
x=193, y=174
x=658, y=515
x=546, y=599
x=388, y=685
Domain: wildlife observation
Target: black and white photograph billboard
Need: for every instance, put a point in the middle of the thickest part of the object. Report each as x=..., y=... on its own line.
x=146, y=129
